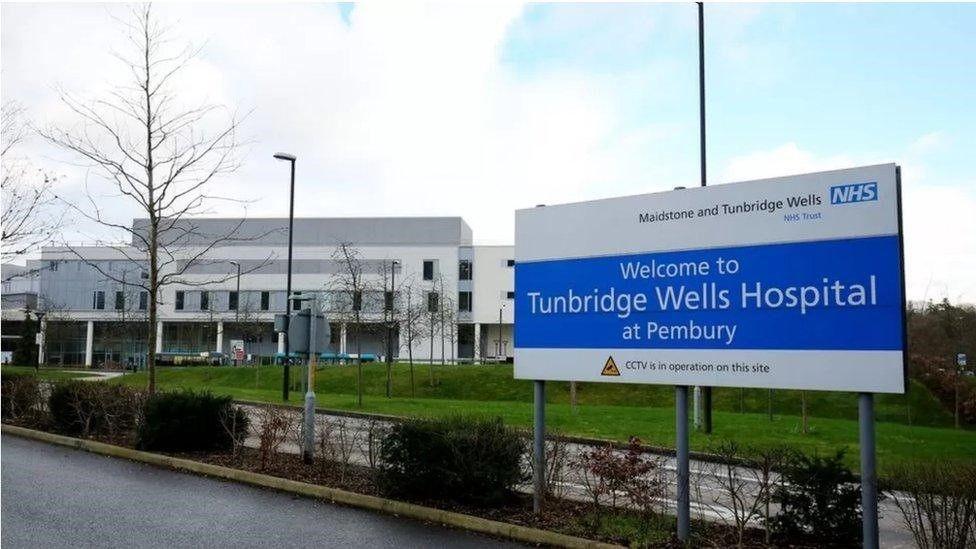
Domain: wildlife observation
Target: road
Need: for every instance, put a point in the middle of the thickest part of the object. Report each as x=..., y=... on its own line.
x=709, y=502
x=58, y=497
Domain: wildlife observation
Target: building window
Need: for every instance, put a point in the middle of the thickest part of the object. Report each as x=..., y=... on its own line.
x=509, y=295
x=265, y=301
x=144, y=275
x=143, y=300
x=464, y=302
x=296, y=305
x=232, y=301
x=509, y=262
x=98, y=300
x=464, y=269
x=357, y=301
x=388, y=300
x=204, y=301
x=432, y=302
x=428, y=269
x=179, y=300
x=119, y=300
x=53, y=266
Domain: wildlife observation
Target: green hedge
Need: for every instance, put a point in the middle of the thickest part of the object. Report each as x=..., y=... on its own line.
x=467, y=460
x=191, y=421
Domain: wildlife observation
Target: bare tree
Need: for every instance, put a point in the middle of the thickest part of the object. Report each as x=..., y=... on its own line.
x=411, y=320
x=348, y=288
x=30, y=216
x=158, y=154
x=390, y=288
x=449, y=325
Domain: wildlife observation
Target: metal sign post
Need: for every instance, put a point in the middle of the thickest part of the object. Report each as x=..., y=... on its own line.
x=539, y=446
x=869, y=479
x=683, y=502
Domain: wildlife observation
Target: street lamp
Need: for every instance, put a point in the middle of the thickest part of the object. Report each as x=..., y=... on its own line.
x=237, y=306
x=389, y=329
x=291, y=223
x=498, y=354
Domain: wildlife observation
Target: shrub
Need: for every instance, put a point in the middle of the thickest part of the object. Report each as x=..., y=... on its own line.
x=465, y=460
x=93, y=408
x=606, y=475
x=20, y=395
x=190, y=421
x=819, y=499
x=937, y=501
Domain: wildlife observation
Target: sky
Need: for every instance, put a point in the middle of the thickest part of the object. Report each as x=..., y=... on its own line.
x=476, y=110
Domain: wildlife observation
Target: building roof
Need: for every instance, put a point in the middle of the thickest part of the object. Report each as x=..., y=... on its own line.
x=320, y=231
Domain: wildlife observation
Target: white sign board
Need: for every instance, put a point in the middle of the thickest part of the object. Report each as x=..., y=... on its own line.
x=237, y=349
x=792, y=282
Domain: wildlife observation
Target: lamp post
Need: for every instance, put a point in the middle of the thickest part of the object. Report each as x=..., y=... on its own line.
x=237, y=306
x=498, y=353
x=291, y=224
x=389, y=329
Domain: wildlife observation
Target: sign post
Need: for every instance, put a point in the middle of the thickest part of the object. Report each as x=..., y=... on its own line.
x=869, y=478
x=784, y=283
x=539, y=446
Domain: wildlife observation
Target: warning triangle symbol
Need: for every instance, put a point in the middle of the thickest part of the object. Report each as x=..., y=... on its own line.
x=610, y=368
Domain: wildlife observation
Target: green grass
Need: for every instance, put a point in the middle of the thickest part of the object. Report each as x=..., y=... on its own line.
x=47, y=374
x=607, y=411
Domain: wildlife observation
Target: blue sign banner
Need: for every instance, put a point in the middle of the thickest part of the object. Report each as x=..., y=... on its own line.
x=842, y=294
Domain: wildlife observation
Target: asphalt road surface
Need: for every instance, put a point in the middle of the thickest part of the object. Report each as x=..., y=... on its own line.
x=58, y=497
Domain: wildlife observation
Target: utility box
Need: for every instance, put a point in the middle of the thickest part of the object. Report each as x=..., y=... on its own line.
x=280, y=323
x=298, y=332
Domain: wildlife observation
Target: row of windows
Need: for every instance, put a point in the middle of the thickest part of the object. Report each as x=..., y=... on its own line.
x=98, y=300
x=465, y=268
x=465, y=301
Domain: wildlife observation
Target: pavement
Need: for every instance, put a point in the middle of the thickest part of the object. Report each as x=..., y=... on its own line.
x=59, y=497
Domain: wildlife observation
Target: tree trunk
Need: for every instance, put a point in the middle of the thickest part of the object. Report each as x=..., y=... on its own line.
x=413, y=389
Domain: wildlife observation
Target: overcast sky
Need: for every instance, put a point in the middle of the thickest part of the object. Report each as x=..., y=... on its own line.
x=478, y=110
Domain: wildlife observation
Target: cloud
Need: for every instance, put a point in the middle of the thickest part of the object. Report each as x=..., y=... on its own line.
x=786, y=159
x=402, y=110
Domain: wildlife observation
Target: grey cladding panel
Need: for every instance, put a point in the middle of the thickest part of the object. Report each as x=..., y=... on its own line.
x=361, y=231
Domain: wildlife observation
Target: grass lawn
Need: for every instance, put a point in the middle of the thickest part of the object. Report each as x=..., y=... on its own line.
x=43, y=373
x=607, y=411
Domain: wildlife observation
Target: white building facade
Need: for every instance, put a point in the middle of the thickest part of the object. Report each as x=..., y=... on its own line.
x=461, y=295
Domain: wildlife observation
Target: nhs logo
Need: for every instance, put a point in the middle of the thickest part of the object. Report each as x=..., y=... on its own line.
x=854, y=192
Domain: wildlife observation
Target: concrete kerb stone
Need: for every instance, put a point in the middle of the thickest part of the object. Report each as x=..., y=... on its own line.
x=351, y=499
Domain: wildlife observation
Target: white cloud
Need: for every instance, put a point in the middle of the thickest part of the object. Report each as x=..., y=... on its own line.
x=940, y=245
x=406, y=111
x=783, y=160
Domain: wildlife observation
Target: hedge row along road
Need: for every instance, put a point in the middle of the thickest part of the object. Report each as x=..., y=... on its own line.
x=709, y=502
x=605, y=411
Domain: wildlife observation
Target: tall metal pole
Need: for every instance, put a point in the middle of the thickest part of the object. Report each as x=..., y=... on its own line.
x=237, y=310
x=869, y=478
x=706, y=392
x=308, y=449
x=498, y=353
x=539, y=446
x=389, y=330
x=681, y=434
x=291, y=226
